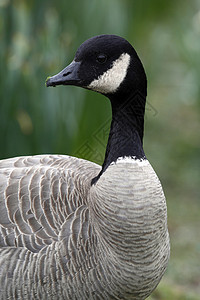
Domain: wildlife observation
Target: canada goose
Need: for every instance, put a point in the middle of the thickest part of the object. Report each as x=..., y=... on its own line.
x=72, y=230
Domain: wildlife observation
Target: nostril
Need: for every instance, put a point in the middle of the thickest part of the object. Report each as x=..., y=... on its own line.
x=66, y=74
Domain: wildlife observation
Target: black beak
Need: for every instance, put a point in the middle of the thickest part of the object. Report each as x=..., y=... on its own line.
x=68, y=76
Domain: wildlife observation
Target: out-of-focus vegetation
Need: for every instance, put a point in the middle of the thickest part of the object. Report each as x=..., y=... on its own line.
x=39, y=38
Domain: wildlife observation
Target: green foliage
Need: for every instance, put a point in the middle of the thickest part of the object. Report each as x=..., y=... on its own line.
x=169, y=291
x=39, y=38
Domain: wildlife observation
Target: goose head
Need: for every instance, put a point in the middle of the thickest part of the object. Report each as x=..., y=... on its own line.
x=107, y=64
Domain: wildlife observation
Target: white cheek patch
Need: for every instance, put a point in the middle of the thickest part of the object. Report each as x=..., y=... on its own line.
x=108, y=82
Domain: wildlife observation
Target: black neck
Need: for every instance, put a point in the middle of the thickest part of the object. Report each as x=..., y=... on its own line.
x=126, y=131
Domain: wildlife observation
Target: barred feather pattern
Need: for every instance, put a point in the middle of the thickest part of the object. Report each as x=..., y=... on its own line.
x=61, y=238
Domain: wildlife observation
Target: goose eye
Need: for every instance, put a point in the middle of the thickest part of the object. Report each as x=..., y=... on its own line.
x=101, y=58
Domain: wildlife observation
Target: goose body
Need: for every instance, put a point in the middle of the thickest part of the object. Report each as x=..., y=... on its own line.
x=70, y=229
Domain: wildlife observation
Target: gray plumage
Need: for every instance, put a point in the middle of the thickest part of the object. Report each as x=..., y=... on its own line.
x=60, y=238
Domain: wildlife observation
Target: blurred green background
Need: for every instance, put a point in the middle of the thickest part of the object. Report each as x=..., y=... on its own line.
x=39, y=38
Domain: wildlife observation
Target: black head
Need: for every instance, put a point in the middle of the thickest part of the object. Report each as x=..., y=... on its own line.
x=107, y=64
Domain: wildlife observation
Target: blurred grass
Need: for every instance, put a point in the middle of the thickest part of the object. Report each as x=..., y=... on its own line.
x=39, y=38
x=169, y=291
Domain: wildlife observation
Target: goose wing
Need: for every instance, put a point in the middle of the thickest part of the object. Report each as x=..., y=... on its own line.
x=38, y=194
